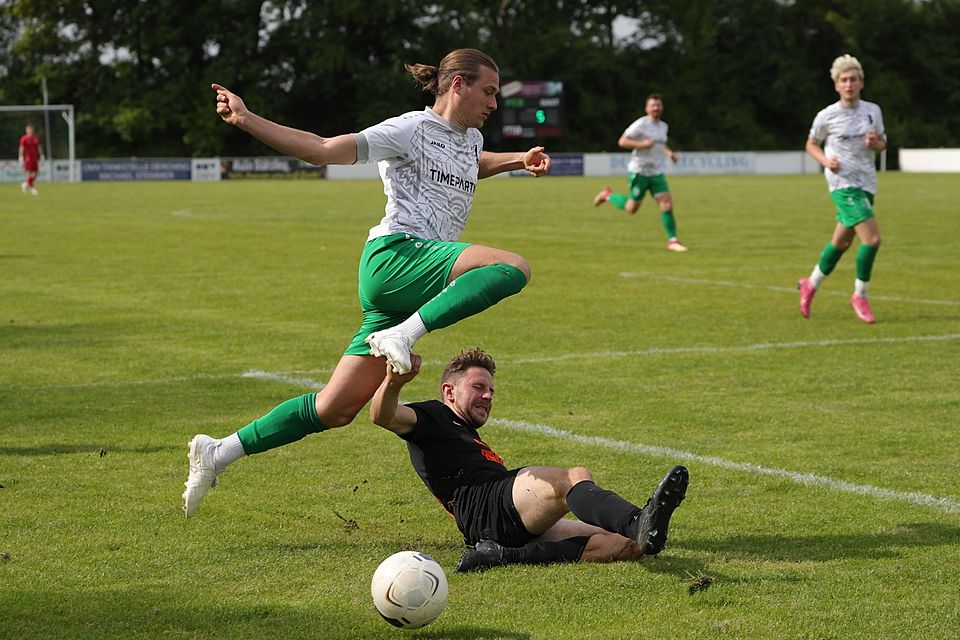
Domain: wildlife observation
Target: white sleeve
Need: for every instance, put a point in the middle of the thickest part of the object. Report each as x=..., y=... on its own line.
x=881, y=131
x=635, y=131
x=818, y=130
x=389, y=139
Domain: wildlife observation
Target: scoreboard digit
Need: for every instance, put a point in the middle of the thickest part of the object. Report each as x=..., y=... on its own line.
x=532, y=109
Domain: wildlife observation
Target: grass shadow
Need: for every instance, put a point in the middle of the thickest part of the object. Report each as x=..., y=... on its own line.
x=823, y=548
x=95, y=449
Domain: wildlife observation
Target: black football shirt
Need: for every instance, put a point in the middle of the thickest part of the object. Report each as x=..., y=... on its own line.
x=447, y=452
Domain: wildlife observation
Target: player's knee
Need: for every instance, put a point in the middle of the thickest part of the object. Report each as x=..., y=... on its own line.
x=579, y=474
x=631, y=206
x=518, y=262
x=332, y=417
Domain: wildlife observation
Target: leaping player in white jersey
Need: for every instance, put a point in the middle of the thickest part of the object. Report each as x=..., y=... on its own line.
x=852, y=132
x=646, y=137
x=430, y=162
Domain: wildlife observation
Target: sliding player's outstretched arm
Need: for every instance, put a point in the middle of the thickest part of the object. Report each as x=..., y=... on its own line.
x=385, y=408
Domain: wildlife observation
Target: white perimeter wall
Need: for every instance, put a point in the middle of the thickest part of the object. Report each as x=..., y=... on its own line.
x=930, y=160
x=718, y=163
x=710, y=162
x=692, y=163
x=594, y=164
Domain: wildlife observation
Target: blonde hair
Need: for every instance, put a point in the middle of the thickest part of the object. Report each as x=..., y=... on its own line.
x=845, y=63
x=459, y=62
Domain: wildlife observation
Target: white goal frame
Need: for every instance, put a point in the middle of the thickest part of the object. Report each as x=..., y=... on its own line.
x=66, y=112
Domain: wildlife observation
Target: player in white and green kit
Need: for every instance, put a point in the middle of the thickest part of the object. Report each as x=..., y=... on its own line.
x=845, y=138
x=414, y=276
x=646, y=137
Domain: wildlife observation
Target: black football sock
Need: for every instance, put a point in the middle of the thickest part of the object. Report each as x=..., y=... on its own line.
x=567, y=550
x=597, y=506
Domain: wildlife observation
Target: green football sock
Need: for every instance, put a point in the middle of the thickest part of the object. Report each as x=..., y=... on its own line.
x=865, y=257
x=288, y=422
x=471, y=293
x=618, y=200
x=829, y=258
x=669, y=223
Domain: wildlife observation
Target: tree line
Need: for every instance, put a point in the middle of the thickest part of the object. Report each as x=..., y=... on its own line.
x=735, y=74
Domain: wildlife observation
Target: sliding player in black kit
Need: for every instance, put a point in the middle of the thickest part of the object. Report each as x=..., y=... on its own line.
x=515, y=516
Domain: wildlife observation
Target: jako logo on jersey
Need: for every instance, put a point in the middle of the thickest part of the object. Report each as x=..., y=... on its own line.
x=437, y=144
x=451, y=180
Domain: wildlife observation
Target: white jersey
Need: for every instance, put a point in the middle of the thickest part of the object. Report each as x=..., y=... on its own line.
x=429, y=170
x=845, y=130
x=647, y=162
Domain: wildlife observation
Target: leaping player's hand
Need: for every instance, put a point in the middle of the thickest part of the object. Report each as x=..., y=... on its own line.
x=872, y=139
x=401, y=379
x=536, y=162
x=229, y=105
x=833, y=164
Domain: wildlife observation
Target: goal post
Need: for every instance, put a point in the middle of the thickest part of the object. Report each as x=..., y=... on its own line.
x=60, y=159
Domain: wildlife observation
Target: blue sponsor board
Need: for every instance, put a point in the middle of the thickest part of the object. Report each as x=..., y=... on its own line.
x=568, y=164
x=269, y=167
x=136, y=169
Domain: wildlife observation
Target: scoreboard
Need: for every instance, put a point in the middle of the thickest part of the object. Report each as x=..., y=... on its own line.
x=531, y=109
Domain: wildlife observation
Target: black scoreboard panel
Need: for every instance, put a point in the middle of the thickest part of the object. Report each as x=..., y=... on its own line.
x=531, y=109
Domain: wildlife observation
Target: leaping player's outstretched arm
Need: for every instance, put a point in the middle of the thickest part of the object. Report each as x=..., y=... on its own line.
x=292, y=142
x=533, y=160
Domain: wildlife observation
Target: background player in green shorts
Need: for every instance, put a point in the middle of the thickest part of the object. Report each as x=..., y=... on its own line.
x=851, y=132
x=647, y=138
x=430, y=162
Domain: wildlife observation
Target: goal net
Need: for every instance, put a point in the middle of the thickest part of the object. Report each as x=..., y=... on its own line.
x=54, y=125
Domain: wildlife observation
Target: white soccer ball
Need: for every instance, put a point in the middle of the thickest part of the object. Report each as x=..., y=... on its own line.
x=409, y=589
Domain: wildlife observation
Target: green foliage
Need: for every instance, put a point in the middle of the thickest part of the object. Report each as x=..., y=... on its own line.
x=131, y=313
x=737, y=74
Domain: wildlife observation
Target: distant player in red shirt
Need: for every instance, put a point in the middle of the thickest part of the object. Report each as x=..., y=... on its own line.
x=30, y=154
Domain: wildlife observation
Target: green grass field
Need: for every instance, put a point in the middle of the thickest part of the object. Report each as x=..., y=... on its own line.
x=824, y=498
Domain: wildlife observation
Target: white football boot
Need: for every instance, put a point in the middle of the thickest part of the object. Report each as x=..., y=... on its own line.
x=392, y=345
x=203, y=474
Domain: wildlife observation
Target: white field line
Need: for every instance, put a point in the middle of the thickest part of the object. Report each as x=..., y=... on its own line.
x=310, y=383
x=747, y=285
x=299, y=380
x=810, y=479
x=706, y=349
x=759, y=346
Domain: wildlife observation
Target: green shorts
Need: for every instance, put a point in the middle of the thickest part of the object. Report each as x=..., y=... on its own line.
x=639, y=185
x=398, y=274
x=853, y=206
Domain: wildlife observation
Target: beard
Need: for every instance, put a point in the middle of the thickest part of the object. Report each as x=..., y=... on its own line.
x=477, y=416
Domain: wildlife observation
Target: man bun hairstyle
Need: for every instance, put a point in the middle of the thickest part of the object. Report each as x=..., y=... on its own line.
x=459, y=62
x=472, y=357
x=845, y=63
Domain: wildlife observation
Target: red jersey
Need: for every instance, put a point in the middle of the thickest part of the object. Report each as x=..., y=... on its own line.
x=31, y=148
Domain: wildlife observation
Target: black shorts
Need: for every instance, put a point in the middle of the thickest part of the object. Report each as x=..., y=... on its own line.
x=486, y=511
